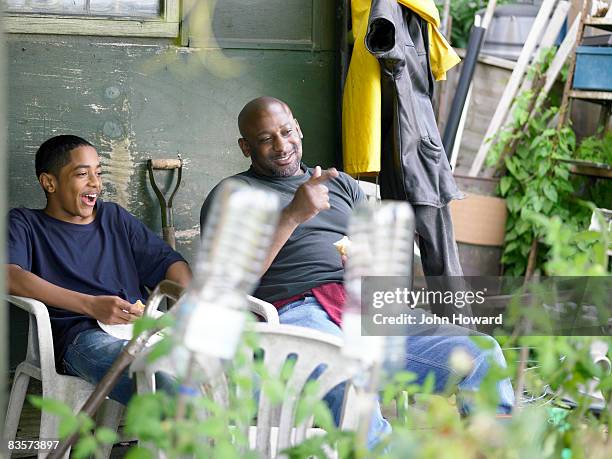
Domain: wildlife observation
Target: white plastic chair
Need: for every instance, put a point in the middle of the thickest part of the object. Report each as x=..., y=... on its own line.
x=276, y=428
x=144, y=373
x=263, y=309
x=40, y=364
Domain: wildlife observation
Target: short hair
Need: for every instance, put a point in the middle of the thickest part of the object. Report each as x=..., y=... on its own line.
x=54, y=153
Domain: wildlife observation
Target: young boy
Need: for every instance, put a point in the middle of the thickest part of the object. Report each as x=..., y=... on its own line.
x=86, y=259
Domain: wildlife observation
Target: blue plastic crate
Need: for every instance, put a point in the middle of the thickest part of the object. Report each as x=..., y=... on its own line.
x=593, y=68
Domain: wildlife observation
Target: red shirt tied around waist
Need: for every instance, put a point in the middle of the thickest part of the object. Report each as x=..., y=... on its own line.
x=331, y=296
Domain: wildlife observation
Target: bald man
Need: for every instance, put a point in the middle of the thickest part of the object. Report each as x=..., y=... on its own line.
x=303, y=272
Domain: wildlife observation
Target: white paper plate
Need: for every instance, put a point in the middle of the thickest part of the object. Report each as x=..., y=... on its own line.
x=124, y=331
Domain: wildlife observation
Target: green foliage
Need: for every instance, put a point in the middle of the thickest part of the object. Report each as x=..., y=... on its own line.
x=538, y=184
x=208, y=427
x=574, y=253
x=430, y=430
x=597, y=148
x=90, y=442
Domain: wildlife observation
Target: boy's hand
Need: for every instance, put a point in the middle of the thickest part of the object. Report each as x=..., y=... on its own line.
x=112, y=310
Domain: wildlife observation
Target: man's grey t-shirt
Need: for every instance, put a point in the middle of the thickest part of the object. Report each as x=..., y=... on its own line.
x=308, y=259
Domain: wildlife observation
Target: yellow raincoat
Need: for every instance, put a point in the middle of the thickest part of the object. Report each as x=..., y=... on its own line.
x=361, y=103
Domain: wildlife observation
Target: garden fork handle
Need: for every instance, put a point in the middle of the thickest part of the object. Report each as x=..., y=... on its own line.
x=167, y=215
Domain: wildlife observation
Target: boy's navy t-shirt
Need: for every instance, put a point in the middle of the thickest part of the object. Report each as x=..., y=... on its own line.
x=116, y=254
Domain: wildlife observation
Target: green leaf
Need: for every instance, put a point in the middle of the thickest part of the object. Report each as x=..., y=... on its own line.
x=138, y=452
x=275, y=390
x=85, y=422
x=68, y=426
x=550, y=191
x=504, y=185
x=323, y=417
x=287, y=370
x=225, y=450
x=85, y=447
x=144, y=323
x=160, y=349
x=213, y=427
x=51, y=406
x=106, y=436
x=510, y=247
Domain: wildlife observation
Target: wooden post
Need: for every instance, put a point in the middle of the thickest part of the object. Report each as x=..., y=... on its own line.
x=4, y=188
x=524, y=354
x=565, y=103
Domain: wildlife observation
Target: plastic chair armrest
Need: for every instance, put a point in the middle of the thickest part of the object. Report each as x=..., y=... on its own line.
x=263, y=309
x=39, y=311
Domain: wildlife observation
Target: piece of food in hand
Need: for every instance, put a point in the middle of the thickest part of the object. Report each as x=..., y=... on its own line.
x=343, y=246
x=140, y=305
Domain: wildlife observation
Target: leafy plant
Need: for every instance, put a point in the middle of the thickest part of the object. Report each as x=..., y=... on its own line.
x=597, y=148
x=432, y=429
x=190, y=426
x=90, y=440
x=538, y=181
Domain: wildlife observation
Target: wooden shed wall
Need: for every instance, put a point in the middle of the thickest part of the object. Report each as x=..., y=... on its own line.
x=136, y=98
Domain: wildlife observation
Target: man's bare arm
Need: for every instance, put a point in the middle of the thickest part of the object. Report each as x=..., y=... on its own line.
x=180, y=273
x=310, y=198
x=105, y=308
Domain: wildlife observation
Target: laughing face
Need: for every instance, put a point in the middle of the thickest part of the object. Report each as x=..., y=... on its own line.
x=273, y=141
x=72, y=195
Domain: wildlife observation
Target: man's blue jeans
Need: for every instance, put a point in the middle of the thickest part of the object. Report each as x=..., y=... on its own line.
x=424, y=355
x=91, y=354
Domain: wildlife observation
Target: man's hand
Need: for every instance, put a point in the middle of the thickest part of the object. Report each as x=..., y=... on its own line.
x=311, y=197
x=112, y=310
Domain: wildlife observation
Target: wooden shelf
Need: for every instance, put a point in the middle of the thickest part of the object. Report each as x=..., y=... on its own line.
x=588, y=168
x=601, y=23
x=591, y=95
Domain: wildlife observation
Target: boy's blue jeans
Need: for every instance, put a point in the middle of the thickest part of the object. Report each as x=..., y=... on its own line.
x=92, y=353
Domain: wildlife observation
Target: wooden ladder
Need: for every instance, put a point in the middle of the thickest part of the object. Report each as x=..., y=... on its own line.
x=602, y=97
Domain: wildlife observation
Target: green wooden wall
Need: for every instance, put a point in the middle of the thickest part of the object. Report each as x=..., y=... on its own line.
x=137, y=98
x=3, y=311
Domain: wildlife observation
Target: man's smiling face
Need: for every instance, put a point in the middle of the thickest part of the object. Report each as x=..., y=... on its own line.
x=72, y=194
x=273, y=142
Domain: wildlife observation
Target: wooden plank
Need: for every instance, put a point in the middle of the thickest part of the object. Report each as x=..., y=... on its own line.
x=591, y=171
x=549, y=38
x=501, y=112
x=590, y=95
x=566, y=101
x=564, y=51
x=601, y=23
x=490, y=60
x=89, y=26
x=545, y=85
x=267, y=24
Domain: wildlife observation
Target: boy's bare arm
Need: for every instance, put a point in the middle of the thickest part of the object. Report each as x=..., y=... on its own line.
x=180, y=273
x=105, y=308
